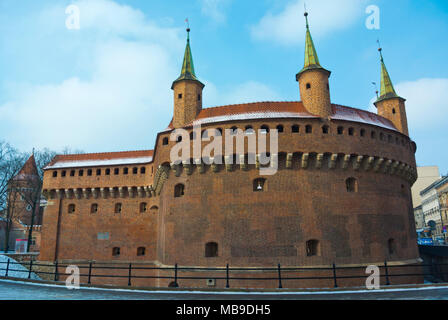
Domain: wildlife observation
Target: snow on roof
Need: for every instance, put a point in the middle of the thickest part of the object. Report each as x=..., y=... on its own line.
x=252, y=116
x=99, y=163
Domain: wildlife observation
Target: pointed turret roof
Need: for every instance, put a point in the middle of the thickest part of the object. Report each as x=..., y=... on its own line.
x=387, y=89
x=311, y=59
x=187, y=72
x=28, y=170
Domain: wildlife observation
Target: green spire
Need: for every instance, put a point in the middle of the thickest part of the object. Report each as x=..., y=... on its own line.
x=311, y=59
x=387, y=89
x=187, y=72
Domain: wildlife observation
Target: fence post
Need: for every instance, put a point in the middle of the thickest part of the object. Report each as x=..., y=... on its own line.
x=31, y=267
x=90, y=272
x=130, y=274
x=334, y=276
x=227, y=276
x=175, y=276
x=387, y=273
x=279, y=277
x=56, y=276
x=7, y=269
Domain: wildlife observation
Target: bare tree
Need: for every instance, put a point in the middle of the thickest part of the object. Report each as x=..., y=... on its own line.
x=10, y=164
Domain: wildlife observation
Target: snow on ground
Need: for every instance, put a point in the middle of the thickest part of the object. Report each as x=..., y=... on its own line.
x=15, y=270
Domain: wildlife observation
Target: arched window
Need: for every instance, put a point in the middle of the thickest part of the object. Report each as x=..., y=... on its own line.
x=389, y=138
x=143, y=207
x=142, y=170
x=125, y=171
x=63, y=173
x=340, y=130
x=94, y=208
x=373, y=135
x=381, y=136
x=71, y=208
x=312, y=248
x=249, y=130
x=264, y=129
x=118, y=208
x=134, y=170
x=179, y=138
x=116, y=171
x=295, y=128
x=98, y=172
x=141, y=251
x=116, y=251
x=280, y=128
x=391, y=246
x=72, y=173
x=325, y=129
x=362, y=133
x=153, y=209
x=233, y=130
x=308, y=129
x=211, y=249
x=165, y=141
x=179, y=190
x=259, y=184
x=351, y=185
x=308, y=85
x=55, y=174
x=89, y=172
x=393, y=110
x=81, y=173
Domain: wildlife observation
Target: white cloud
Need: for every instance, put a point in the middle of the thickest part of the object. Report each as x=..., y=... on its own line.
x=215, y=9
x=325, y=16
x=250, y=91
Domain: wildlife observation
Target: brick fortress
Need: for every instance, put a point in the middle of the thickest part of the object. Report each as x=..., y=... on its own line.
x=342, y=193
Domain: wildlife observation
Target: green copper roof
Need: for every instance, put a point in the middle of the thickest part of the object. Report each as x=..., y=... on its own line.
x=387, y=89
x=187, y=72
x=311, y=59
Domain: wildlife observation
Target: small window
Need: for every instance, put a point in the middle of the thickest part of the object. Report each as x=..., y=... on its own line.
x=295, y=128
x=71, y=208
x=89, y=172
x=116, y=171
x=199, y=97
x=389, y=138
x=391, y=246
x=264, y=129
x=309, y=129
x=142, y=170
x=125, y=171
x=179, y=138
x=233, y=130
x=249, y=130
x=63, y=173
x=211, y=249
x=351, y=185
x=141, y=251
x=340, y=130
x=165, y=141
x=308, y=85
x=373, y=134
x=381, y=136
x=72, y=173
x=393, y=110
x=116, y=251
x=312, y=248
x=94, y=208
x=107, y=172
x=280, y=128
x=362, y=133
x=143, y=207
x=351, y=131
x=134, y=170
x=81, y=173
x=259, y=185
x=118, y=208
x=55, y=174
x=179, y=96
x=98, y=172
x=179, y=190
x=325, y=129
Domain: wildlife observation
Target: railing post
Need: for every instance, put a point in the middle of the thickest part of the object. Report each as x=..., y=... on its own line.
x=7, y=269
x=90, y=272
x=175, y=276
x=31, y=267
x=227, y=276
x=56, y=276
x=130, y=274
x=279, y=277
x=387, y=273
x=334, y=276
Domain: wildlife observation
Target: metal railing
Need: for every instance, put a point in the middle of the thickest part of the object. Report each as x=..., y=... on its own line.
x=90, y=272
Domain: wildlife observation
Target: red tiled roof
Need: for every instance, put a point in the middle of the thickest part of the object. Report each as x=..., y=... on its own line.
x=29, y=168
x=283, y=109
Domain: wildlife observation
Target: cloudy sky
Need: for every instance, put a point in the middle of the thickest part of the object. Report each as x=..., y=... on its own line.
x=106, y=86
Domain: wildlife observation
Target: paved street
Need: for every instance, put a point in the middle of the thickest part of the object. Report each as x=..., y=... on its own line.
x=10, y=290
